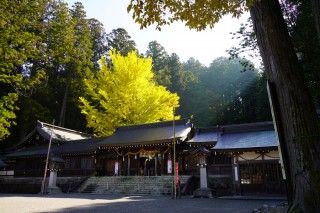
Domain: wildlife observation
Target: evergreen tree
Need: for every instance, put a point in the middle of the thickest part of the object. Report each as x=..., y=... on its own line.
x=20, y=45
x=121, y=41
x=99, y=40
x=158, y=54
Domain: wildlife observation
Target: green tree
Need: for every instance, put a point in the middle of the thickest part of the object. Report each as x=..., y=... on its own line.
x=159, y=63
x=125, y=94
x=249, y=105
x=299, y=122
x=158, y=54
x=120, y=40
x=208, y=101
x=20, y=45
x=99, y=39
x=79, y=67
x=194, y=66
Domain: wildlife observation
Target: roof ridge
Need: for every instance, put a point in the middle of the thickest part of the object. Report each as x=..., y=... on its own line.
x=61, y=128
x=153, y=125
x=260, y=123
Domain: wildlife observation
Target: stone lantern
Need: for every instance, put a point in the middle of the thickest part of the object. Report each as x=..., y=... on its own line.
x=55, y=165
x=201, y=154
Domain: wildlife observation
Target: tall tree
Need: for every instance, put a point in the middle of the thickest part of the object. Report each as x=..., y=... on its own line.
x=21, y=43
x=78, y=67
x=299, y=122
x=194, y=66
x=125, y=94
x=120, y=40
x=99, y=39
x=158, y=54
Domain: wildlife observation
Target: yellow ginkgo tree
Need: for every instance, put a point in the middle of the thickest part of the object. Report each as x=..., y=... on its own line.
x=125, y=94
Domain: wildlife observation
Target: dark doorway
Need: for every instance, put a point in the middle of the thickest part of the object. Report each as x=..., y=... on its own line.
x=261, y=177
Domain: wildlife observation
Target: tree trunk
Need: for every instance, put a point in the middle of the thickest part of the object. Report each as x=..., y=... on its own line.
x=64, y=107
x=298, y=119
x=315, y=5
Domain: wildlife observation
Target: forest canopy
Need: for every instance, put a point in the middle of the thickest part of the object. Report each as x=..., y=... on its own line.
x=47, y=73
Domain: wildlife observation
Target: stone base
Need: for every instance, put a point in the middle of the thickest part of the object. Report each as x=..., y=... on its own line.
x=202, y=193
x=54, y=190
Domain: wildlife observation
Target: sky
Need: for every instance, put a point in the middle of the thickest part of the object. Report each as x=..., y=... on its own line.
x=176, y=38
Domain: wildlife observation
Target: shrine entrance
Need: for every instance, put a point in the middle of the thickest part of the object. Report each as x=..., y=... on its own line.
x=134, y=162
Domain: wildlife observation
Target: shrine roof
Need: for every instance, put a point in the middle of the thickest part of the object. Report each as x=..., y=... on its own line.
x=59, y=133
x=205, y=135
x=247, y=136
x=77, y=147
x=148, y=133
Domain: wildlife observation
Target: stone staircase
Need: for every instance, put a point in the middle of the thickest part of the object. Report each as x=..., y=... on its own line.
x=90, y=188
x=155, y=185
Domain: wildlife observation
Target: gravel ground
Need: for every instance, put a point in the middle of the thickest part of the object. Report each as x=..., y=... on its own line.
x=122, y=203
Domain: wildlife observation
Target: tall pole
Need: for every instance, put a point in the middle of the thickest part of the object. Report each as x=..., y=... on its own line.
x=174, y=157
x=47, y=160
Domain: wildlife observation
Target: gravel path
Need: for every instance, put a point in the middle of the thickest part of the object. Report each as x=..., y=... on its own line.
x=12, y=203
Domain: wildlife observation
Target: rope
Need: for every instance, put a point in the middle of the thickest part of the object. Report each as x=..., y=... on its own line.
x=141, y=150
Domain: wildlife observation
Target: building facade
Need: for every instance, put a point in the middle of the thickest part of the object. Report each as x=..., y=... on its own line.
x=242, y=159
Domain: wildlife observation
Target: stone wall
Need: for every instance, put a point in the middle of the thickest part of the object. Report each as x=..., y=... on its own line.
x=10, y=184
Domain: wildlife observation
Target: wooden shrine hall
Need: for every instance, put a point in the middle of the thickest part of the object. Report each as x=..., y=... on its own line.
x=141, y=149
x=246, y=155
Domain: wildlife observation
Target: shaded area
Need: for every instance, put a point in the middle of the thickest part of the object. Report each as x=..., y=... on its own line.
x=113, y=203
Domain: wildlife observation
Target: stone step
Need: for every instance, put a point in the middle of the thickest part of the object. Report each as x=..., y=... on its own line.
x=131, y=184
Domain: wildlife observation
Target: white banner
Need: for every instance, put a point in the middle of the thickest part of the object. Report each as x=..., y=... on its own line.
x=116, y=168
x=169, y=166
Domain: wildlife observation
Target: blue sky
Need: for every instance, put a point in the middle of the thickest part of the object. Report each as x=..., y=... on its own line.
x=204, y=46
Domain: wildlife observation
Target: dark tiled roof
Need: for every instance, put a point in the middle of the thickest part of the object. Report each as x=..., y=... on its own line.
x=79, y=146
x=247, y=127
x=32, y=151
x=246, y=140
x=75, y=147
x=148, y=133
x=205, y=136
x=201, y=150
x=59, y=133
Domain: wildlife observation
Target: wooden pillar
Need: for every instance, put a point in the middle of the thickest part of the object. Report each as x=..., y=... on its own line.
x=155, y=165
x=236, y=175
x=137, y=159
x=162, y=164
x=128, y=165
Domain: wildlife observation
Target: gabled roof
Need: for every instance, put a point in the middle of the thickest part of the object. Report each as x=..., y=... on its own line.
x=59, y=133
x=208, y=135
x=148, y=133
x=78, y=147
x=246, y=140
x=247, y=136
x=33, y=151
